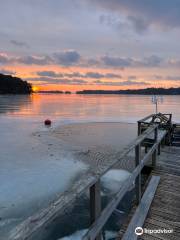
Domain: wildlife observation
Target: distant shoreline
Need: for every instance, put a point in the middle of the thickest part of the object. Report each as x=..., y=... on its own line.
x=146, y=91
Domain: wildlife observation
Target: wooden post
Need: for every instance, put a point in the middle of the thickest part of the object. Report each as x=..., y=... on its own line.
x=138, y=179
x=139, y=128
x=163, y=142
x=95, y=204
x=159, y=148
x=154, y=155
x=170, y=118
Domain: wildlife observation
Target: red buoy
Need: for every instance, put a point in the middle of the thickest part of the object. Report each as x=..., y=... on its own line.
x=47, y=122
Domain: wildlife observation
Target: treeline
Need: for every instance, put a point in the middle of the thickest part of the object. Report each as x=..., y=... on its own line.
x=54, y=92
x=146, y=91
x=14, y=85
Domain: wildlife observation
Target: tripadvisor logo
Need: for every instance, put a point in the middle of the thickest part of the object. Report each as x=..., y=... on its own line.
x=139, y=231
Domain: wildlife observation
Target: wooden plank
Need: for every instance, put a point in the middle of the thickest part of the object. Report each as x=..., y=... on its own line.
x=142, y=210
x=148, y=237
x=174, y=195
x=173, y=165
x=169, y=219
x=165, y=210
x=162, y=236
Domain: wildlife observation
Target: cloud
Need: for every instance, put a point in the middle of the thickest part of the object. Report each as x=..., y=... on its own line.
x=3, y=58
x=174, y=62
x=27, y=60
x=157, y=77
x=64, y=81
x=100, y=75
x=37, y=60
x=132, y=78
x=114, y=61
x=169, y=77
x=152, y=61
x=76, y=81
x=19, y=44
x=142, y=14
x=67, y=58
x=49, y=74
x=140, y=25
x=174, y=78
x=93, y=75
x=123, y=83
x=7, y=72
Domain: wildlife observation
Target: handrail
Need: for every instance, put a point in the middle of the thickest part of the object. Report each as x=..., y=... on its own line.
x=38, y=221
x=147, y=117
x=143, y=120
x=106, y=213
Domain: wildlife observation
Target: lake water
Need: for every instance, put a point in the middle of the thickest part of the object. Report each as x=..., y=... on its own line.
x=65, y=108
x=27, y=176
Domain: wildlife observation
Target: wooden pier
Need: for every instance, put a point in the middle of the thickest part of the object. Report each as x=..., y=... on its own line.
x=164, y=208
x=157, y=204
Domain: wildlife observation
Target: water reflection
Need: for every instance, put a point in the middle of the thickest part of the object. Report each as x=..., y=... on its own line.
x=126, y=108
x=14, y=103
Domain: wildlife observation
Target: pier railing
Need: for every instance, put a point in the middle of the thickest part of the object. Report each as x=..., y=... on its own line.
x=31, y=227
x=163, y=120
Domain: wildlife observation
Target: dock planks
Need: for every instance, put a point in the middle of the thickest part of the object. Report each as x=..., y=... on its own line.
x=165, y=208
x=142, y=210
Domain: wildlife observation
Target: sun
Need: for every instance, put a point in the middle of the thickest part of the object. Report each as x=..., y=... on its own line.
x=35, y=89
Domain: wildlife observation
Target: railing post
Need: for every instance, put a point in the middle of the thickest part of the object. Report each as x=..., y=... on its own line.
x=159, y=148
x=154, y=155
x=95, y=204
x=170, y=118
x=139, y=128
x=138, y=179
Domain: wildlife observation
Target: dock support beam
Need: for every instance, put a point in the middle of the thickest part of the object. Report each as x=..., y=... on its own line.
x=138, y=179
x=95, y=204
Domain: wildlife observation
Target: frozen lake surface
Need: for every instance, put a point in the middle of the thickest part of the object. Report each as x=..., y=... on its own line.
x=32, y=173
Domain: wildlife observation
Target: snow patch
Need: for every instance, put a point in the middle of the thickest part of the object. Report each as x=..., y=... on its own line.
x=113, y=179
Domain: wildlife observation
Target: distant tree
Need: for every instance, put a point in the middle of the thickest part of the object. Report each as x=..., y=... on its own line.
x=14, y=85
x=146, y=91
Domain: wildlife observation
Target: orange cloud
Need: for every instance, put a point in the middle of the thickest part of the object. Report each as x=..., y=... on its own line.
x=139, y=76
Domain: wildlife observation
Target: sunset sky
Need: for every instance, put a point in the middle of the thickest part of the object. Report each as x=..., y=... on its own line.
x=91, y=44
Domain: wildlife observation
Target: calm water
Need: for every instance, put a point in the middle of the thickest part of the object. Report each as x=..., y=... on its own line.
x=85, y=107
x=31, y=173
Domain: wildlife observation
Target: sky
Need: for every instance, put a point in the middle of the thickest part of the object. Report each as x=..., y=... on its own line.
x=91, y=44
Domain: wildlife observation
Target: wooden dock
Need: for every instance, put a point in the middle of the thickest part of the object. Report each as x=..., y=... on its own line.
x=157, y=204
x=164, y=211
